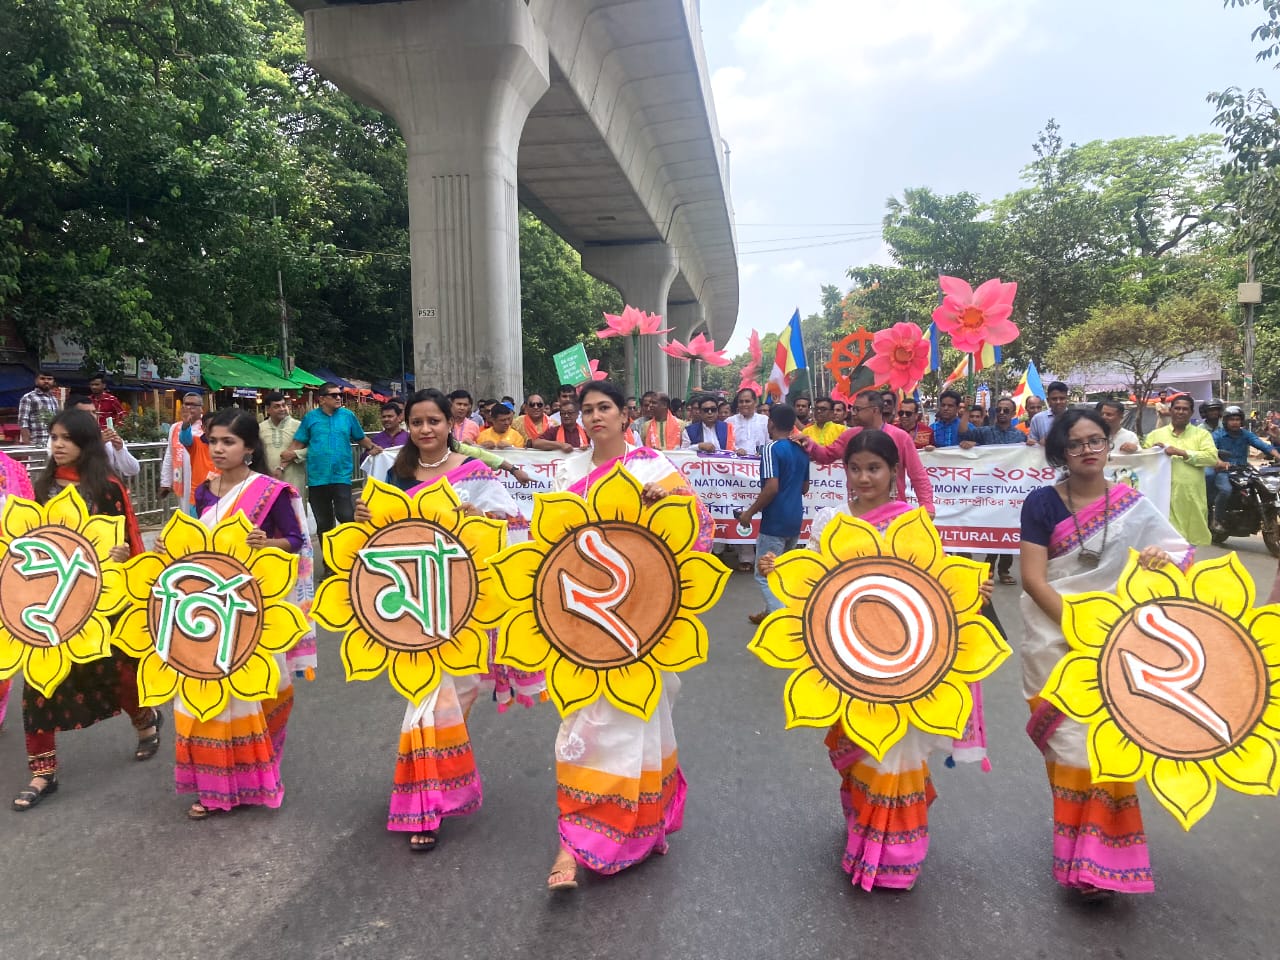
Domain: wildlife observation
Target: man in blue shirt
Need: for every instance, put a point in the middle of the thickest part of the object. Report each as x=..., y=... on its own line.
x=328, y=432
x=784, y=480
x=1058, y=396
x=1000, y=433
x=951, y=420
x=1233, y=443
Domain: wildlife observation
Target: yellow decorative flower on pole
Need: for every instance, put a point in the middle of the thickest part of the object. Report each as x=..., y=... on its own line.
x=207, y=615
x=57, y=587
x=879, y=632
x=411, y=590
x=605, y=594
x=1177, y=676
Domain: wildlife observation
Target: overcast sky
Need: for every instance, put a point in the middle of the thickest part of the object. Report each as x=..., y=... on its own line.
x=831, y=106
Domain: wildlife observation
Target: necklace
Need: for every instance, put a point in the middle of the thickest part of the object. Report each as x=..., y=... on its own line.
x=431, y=465
x=1089, y=559
x=226, y=500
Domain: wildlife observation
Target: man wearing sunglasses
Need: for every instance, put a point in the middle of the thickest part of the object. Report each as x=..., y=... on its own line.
x=534, y=422
x=708, y=432
x=327, y=433
x=909, y=419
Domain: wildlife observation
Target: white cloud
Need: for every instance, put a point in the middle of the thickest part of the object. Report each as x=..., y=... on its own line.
x=803, y=66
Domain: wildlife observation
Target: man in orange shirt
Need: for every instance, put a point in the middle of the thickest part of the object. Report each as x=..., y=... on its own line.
x=186, y=462
x=534, y=422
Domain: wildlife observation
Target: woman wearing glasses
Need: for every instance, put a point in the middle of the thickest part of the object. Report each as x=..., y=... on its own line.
x=1076, y=536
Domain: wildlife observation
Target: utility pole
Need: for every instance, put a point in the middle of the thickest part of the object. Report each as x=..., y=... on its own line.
x=285, y=364
x=1249, y=295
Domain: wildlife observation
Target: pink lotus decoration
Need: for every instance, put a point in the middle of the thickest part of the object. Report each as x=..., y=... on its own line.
x=974, y=317
x=901, y=356
x=699, y=348
x=596, y=372
x=748, y=373
x=635, y=324
x=631, y=323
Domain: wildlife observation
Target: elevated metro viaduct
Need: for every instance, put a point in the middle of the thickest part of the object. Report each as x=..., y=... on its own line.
x=596, y=114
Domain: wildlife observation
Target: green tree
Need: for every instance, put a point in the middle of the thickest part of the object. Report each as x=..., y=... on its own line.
x=1142, y=341
x=136, y=173
x=560, y=305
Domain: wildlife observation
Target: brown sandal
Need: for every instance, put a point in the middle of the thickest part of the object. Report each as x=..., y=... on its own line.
x=564, y=872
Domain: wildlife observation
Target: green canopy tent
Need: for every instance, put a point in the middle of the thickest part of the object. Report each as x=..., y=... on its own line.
x=222, y=373
x=299, y=379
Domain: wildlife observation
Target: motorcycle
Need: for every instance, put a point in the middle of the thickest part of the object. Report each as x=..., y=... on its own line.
x=1253, y=505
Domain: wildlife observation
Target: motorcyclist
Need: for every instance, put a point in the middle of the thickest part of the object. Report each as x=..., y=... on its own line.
x=1233, y=442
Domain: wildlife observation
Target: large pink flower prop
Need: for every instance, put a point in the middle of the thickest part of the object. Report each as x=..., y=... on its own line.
x=596, y=372
x=631, y=322
x=901, y=356
x=704, y=349
x=974, y=317
x=699, y=348
x=748, y=373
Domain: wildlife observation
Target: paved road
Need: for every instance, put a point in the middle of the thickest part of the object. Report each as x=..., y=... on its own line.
x=110, y=868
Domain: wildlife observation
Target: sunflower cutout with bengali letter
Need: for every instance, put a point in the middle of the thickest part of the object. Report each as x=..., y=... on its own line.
x=605, y=595
x=879, y=632
x=57, y=587
x=1177, y=676
x=207, y=615
x=411, y=591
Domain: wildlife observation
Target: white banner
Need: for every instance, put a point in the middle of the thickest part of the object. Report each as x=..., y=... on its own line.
x=978, y=493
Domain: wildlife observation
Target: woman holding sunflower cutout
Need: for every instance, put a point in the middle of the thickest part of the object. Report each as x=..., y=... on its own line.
x=620, y=790
x=886, y=801
x=1076, y=537
x=436, y=774
x=102, y=688
x=233, y=758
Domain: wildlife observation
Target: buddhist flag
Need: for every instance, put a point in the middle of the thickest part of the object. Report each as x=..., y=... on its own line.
x=787, y=360
x=1028, y=386
x=988, y=356
x=935, y=353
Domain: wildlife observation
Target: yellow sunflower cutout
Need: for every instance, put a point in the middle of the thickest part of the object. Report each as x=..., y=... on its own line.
x=410, y=590
x=879, y=632
x=207, y=616
x=57, y=587
x=605, y=594
x=1178, y=677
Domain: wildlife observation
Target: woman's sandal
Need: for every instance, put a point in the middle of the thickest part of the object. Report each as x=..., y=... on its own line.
x=29, y=796
x=198, y=811
x=423, y=842
x=564, y=873
x=149, y=746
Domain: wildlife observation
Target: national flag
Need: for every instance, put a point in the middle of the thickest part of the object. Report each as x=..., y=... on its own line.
x=988, y=356
x=1028, y=386
x=787, y=360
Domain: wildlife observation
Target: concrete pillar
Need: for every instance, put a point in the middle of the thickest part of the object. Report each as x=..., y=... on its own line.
x=687, y=319
x=642, y=273
x=459, y=77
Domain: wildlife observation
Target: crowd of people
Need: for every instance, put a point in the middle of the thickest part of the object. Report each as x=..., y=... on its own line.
x=621, y=790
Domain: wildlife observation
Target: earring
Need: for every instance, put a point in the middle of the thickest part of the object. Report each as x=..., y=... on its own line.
x=248, y=460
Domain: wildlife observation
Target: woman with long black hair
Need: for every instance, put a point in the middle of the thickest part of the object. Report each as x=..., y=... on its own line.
x=100, y=689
